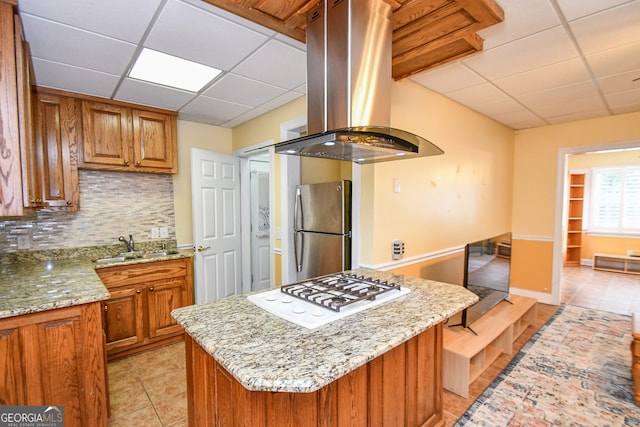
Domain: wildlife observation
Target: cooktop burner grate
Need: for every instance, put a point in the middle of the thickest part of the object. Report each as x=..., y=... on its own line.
x=339, y=290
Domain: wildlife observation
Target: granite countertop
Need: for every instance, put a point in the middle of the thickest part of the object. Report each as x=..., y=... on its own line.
x=266, y=353
x=35, y=285
x=37, y=282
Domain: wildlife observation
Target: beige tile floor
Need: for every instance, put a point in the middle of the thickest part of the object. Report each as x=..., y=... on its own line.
x=149, y=389
x=613, y=292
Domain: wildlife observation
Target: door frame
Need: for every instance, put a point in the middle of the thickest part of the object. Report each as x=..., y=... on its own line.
x=245, y=155
x=560, y=226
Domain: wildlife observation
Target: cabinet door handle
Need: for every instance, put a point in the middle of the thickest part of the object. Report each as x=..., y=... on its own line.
x=126, y=162
x=105, y=308
x=150, y=289
x=138, y=291
x=138, y=163
x=68, y=203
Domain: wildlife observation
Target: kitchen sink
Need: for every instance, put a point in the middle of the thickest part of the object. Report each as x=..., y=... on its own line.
x=159, y=254
x=109, y=260
x=126, y=256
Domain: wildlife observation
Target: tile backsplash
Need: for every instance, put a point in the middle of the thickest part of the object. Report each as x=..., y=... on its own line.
x=112, y=204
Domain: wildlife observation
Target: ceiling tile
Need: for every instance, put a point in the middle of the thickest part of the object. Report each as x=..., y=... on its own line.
x=252, y=114
x=586, y=105
x=230, y=17
x=276, y=63
x=64, y=44
x=242, y=90
x=498, y=107
x=146, y=93
x=191, y=33
x=477, y=95
x=281, y=100
x=217, y=110
x=624, y=101
x=580, y=115
x=606, y=30
x=620, y=82
x=520, y=119
x=73, y=79
x=521, y=18
x=554, y=75
x=448, y=78
x=573, y=9
x=522, y=55
x=560, y=95
x=102, y=17
x=615, y=61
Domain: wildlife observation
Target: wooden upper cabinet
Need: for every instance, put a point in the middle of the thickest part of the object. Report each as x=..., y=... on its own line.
x=152, y=139
x=106, y=133
x=11, y=194
x=57, y=130
x=122, y=138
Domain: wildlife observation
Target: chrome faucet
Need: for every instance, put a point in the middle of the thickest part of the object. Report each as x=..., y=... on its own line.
x=129, y=243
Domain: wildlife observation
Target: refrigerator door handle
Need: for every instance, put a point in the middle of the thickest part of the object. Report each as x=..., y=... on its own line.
x=297, y=212
x=295, y=249
x=296, y=230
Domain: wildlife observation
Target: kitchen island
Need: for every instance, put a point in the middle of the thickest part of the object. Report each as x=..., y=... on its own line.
x=381, y=366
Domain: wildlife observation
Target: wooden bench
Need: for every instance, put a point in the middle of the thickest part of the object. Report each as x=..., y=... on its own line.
x=635, y=355
x=466, y=355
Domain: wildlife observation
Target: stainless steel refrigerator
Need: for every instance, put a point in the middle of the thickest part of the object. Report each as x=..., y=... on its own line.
x=322, y=228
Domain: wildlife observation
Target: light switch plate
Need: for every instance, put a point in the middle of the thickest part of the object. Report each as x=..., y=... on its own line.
x=155, y=232
x=164, y=232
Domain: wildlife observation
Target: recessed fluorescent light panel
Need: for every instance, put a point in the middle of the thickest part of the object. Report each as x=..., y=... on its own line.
x=158, y=67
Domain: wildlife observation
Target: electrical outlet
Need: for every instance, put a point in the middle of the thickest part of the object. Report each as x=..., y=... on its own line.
x=24, y=241
x=164, y=232
x=155, y=232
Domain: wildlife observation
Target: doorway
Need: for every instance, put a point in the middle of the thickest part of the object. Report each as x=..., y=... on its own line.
x=260, y=222
x=560, y=228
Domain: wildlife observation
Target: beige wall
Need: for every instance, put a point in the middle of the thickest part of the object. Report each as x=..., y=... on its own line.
x=534, y=188
x=535, y=160
x=193, y=135
x=444, y=201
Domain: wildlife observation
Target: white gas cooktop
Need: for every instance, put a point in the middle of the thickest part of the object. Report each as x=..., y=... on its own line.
x=311, y=315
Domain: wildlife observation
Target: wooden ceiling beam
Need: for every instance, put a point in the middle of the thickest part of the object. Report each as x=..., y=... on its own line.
x=426, y=33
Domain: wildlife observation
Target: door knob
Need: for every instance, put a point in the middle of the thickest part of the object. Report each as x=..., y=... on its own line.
x=200, y=248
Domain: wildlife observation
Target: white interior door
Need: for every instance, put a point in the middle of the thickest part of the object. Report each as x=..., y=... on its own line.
x=260, y=226
x=215, y=187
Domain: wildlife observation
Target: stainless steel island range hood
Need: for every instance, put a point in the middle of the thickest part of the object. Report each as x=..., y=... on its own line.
x=349, y=87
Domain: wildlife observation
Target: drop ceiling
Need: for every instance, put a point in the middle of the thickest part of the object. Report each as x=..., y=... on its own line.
x=549, y=61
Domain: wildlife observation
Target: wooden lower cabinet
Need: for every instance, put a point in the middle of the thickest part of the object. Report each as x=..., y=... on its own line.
x=56, y=358
x=402, y=387
x=138, y=314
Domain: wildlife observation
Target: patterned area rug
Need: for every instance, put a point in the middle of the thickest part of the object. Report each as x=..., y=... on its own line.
x=575, y=371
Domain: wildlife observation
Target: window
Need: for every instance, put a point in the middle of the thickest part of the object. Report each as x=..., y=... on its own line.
x=615, y=200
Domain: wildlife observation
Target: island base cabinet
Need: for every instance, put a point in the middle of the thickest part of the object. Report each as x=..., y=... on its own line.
x=56, y=358
x=402, y=387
